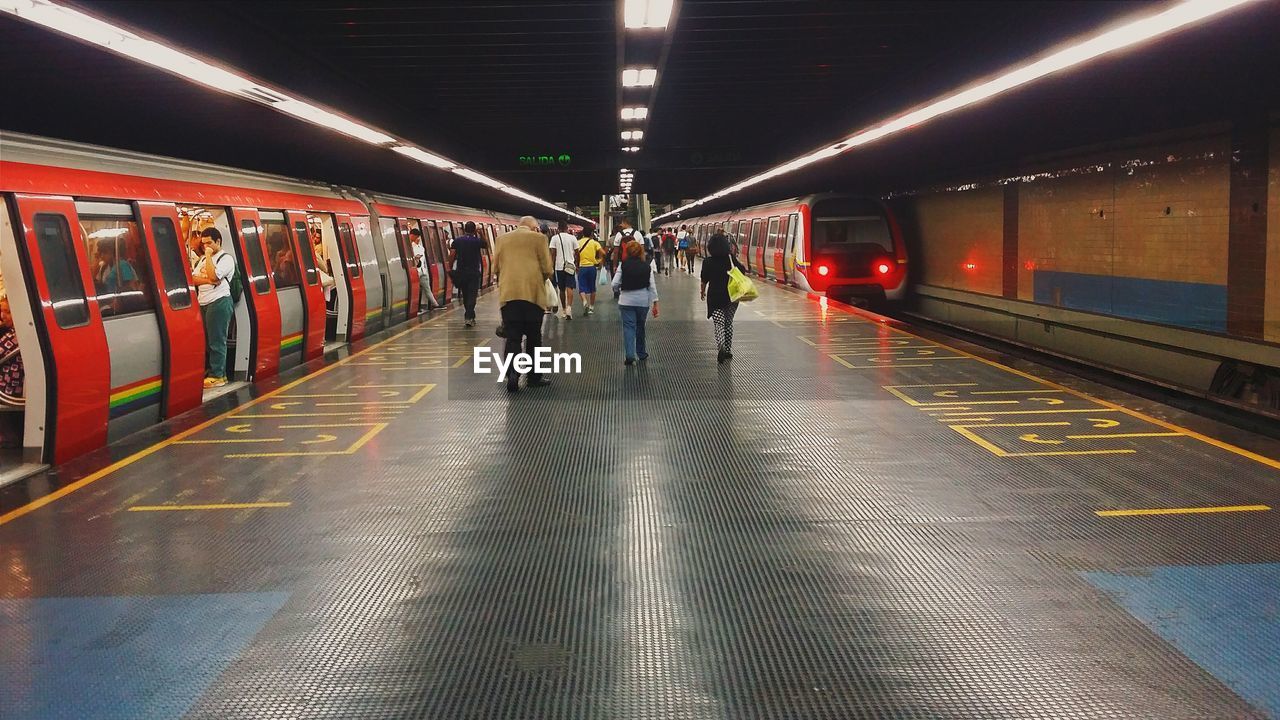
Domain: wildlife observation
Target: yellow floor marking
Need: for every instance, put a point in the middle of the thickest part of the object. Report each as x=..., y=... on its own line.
x=228, y=440
x=1126, y=435
x=1030, y=424
x=320, y=395
x=349, y=451
x=417, y=385
x=403, y=403
x=946, y=385
x=1261, y=459
x=220, y=506
x=320, y=438
x=125, y=462
x=327, y=425
x=241, y=428
x=461, y=362
x=1001, y=452
x=1014, y=392
x=1181, y=511
x=343, y=414
x=916, y=403
x=1038, y=412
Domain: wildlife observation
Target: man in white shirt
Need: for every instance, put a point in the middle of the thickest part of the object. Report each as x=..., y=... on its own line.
x=563, y=246
x=420, y=263
x=213, y=274
x=625, y=234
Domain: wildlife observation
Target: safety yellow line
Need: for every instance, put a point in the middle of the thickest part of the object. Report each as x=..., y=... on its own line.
x=223, y=506
x=227, y=440
x=1181, y=511
x=1262, y=459
x=1125, y=435
x=94, y=477
x=359, y=443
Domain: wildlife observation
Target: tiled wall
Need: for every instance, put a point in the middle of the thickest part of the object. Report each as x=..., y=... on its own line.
x=1141, y=233
x=958, y=230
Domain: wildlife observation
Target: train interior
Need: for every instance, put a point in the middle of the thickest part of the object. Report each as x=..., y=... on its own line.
x=12, y=396
x=193, y=220
x=324, y=245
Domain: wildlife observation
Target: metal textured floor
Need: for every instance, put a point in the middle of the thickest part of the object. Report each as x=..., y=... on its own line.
x=844, y=521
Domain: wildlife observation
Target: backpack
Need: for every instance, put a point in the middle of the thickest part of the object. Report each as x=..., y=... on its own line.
x=236, y=281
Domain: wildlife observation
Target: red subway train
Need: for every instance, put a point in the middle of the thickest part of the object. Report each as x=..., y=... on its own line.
x=104, y=335
x=846, y=247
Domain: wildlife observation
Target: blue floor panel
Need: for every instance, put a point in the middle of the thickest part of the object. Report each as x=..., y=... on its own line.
x=1226, y=618
x=126, y=657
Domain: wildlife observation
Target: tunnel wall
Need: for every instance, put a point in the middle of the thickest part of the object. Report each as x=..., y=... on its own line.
x=1152, y=256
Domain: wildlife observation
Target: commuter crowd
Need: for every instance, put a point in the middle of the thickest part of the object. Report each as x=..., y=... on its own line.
x=538, y=273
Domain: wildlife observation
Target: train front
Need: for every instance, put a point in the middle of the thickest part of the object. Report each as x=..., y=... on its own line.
x=855, y=251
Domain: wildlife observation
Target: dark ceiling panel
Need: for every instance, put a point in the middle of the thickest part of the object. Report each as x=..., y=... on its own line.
x=747, y=84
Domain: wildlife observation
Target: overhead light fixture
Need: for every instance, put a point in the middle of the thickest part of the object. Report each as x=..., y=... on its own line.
x=423, y=156
x=635, y=113
x=647, y=13
x=117, y=39
x=631, y=148
x=1081, y=51
x=639, y=77
x=632, y=134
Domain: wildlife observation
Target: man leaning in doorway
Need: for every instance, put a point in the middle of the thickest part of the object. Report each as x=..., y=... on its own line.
x=522, y=264
x=464, y=258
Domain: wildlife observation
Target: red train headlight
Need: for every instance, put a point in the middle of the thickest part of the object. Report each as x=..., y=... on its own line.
x=883, y=267
x=824, y=270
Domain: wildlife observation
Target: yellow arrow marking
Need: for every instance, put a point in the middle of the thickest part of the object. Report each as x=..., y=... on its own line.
x=388, y=393
x=283, y=405
x=1048, y=401
x=321, y=438
x=1034, y=438
x=241, y=428
x=947, y=393
x=1103, y=422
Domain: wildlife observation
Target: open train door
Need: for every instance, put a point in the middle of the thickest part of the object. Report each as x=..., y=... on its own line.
x=259, y=293
x=182, y=341
x=406, y=248
x=358, y=308
x=69, y=389
x=312, y=291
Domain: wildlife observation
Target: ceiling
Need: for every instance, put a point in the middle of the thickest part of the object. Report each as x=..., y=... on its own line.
x=746, y=84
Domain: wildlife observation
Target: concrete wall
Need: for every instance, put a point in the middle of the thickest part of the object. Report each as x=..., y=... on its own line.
x=965, y=239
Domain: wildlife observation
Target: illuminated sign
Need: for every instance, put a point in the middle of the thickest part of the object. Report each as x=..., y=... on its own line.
x=561, y=160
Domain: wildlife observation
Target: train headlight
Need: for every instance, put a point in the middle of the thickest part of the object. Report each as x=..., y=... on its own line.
x=823, y=270
x=883, y=268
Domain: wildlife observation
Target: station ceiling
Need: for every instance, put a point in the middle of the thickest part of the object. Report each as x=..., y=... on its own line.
x=746, y=84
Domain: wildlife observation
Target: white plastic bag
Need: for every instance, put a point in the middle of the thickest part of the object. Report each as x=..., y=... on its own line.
x=553, y=297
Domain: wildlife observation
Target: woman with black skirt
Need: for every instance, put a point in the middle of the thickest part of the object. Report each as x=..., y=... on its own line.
x=715, y=290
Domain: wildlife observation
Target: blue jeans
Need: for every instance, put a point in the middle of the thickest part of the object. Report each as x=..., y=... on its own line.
x=633, y=330
x=217, y=319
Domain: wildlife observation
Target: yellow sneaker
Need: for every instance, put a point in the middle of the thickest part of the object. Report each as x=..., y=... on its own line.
x=213, y=382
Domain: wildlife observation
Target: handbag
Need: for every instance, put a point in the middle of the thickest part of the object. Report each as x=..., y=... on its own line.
x=569, y=264
x=552, y=297
x=741, y=289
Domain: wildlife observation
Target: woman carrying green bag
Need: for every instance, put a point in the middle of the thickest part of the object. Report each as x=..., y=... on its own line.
x=715, y=290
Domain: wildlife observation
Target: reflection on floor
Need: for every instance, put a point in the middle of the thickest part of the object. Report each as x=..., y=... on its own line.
x=13, y=469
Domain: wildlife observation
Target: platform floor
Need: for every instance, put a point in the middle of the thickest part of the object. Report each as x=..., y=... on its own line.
x=844, y=521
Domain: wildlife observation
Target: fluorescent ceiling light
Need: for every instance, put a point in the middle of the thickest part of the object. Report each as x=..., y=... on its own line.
x=106, y=35
x=631, y=148
x=635, y=113
x=647, y=13
x=1081, y=51
x=632, y=134
x=639, y=77
x=423, y=156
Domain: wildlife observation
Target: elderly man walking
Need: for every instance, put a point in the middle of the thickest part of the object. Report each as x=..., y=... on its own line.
x=522, y=264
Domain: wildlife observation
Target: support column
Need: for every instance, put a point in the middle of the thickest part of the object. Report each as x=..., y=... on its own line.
x=1247, y=230
x=1010, y=264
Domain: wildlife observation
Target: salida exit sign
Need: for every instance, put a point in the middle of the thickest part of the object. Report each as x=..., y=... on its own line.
x=561, y=160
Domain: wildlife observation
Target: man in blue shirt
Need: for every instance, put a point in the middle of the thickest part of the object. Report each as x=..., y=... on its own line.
x=464, y=258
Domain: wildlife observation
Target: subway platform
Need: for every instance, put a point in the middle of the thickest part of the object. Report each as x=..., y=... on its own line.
x=850, y=519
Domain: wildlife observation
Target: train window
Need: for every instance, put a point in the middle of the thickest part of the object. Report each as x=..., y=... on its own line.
x=852, y=230
x=170, y=251
x=793, y=231
x=349, y=248
x=119, y=265
x=433, y=241
x=257, y=264
x=61, y=271
x=308, y=258
x=771, y=238
x=280, y=253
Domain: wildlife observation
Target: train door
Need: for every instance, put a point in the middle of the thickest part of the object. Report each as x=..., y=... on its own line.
x=314, y=286
x=485, y=251
x=791, y=251
x=259, y=294
x=55, y=367
x=752, y=245
x=438, y=278
x=740, y=241
x=286, y=275
x=356, y=307
x=779, y=250
x=329, y=257
x=120, y=268
x=181, y=324
x=404, y=225
x=367, y=256
x=447, y=234
x=192, y=221
x=766, y=254
x=401, y=272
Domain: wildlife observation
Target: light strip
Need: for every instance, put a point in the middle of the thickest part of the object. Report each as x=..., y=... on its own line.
x=1126, y=35
x=639, y=77
x=647, y=13
x=108, y=36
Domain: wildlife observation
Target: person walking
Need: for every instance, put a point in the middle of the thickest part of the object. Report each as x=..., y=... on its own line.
x=624, y=235
x=589, y=256
x=683, y=245
x=464, y=258
x=715, y=290
x=669, y=250
x=564, y=258
x=635, y=281
x=522, y=265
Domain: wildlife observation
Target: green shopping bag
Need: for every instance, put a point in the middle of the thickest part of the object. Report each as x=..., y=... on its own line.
x=741, y=289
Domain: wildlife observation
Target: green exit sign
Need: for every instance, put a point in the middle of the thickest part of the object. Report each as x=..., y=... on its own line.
x=561, y=160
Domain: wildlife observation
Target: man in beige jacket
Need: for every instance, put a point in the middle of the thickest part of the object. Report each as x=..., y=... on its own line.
x=522, y=264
